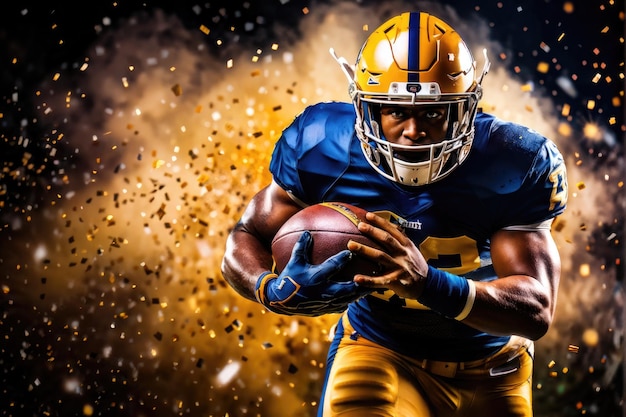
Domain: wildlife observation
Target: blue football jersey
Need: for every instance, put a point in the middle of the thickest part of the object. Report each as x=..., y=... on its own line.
x=513, y=176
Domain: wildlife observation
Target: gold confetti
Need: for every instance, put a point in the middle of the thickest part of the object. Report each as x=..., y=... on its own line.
x=573, y=348
x=543, y=67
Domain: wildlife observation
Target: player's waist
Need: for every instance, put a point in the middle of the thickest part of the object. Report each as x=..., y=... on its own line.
x=421, y=333
x=505, y=361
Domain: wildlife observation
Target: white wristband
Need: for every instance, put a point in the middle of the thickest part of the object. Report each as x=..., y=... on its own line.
x=469, y=303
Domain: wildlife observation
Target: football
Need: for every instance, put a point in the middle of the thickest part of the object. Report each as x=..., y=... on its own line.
x=331, y=225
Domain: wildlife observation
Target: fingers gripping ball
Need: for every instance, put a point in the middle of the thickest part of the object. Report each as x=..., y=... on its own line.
x=331, y=225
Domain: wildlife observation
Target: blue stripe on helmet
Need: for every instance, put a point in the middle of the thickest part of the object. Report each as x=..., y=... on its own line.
x=414, y=46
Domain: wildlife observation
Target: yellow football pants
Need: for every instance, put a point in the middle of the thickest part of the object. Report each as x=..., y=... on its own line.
x=368, y=380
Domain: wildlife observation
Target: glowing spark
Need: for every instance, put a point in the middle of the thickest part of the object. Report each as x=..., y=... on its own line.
x=592, y=131
x=591, y=337
x=227, y=374
x=72, y=385
x=40, y=253
x=584, y=270
x=87, y=410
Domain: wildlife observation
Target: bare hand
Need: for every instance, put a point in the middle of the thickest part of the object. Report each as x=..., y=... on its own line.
x=404, y=266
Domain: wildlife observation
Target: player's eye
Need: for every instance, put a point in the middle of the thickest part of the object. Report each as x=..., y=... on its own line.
x=396, y=112
x=432, y=115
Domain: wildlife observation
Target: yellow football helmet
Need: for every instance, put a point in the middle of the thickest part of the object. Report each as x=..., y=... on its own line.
x=415, y=59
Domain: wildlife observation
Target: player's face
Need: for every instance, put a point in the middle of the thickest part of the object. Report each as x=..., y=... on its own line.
x=414, y=125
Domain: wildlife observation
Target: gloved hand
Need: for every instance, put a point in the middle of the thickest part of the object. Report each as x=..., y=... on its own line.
x=305, y=289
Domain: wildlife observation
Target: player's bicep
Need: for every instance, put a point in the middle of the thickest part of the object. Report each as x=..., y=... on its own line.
x=528, y=253
x=267, y=211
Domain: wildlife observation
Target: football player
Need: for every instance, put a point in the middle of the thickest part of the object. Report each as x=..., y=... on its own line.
x=462, y=203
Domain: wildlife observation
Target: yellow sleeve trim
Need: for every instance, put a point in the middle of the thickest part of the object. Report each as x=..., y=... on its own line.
x=260, y=287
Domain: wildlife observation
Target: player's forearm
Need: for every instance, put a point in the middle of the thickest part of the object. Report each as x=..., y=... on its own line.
x=518, y=305
x=245, y=259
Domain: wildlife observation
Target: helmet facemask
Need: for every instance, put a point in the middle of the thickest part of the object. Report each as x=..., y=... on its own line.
x=417, y=164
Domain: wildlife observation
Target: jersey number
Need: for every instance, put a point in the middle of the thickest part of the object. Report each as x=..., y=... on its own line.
x=557, y=177
x=457, y=255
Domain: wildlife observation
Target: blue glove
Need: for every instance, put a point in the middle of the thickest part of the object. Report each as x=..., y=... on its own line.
x=305, y=289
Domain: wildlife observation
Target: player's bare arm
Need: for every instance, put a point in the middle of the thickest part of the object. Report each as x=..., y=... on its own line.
x=521, y=301
x=248, y=253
